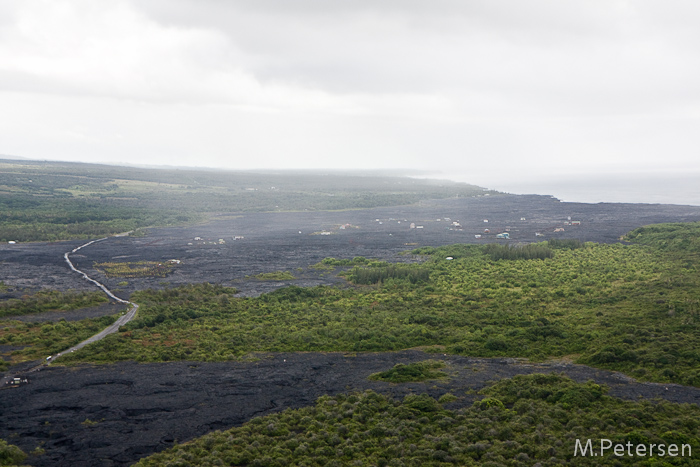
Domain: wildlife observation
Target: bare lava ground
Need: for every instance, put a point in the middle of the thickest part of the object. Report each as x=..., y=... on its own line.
x=141, y=409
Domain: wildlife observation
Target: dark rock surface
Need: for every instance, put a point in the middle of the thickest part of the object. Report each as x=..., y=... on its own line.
x=141, y=409
x=272, y=241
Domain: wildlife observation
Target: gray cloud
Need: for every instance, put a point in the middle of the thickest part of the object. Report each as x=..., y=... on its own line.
x=543, y=85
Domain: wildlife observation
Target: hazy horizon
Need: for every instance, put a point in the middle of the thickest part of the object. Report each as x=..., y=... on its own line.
x=663, y=188
x=507, y=91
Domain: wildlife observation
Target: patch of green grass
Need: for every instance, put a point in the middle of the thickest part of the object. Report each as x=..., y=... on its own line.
x=50, y=300
x=90, y=423
x=412, y=372
x=41, y=339
x=275, y=276
x=133, y=269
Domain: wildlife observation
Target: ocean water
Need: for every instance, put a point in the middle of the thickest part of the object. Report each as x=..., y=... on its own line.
x=663, y=188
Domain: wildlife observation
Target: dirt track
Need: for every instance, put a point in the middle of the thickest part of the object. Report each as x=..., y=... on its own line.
x=146, y=407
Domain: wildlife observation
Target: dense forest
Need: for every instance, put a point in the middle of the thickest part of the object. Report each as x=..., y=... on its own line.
x=59, y=200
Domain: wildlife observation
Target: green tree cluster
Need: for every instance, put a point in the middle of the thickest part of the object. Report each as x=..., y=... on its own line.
x=522, y=422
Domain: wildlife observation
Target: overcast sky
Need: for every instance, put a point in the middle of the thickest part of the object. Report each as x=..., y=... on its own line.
x=485, y=90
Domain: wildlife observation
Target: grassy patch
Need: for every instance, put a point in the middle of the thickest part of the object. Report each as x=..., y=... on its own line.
x=132, y=269
x=41, y=339
x=275, y=276
x=411, y=372
x=49, y=300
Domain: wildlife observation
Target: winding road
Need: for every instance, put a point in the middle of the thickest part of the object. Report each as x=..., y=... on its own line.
x=112, y=328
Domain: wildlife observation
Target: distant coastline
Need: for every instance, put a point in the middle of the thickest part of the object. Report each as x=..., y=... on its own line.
x=681, y=188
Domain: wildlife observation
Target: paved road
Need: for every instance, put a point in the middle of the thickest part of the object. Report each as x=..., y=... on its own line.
x=112, y=328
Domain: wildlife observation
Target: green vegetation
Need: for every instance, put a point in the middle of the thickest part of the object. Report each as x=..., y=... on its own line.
x=356, y=261
x=42, y=339
x=458, y=251
x=60, y=200
x=90, y=423
x=418, y=371
x=10, y=454
x=509, y=252
x=676, y=237
x=331, y=263
x=136, y=268
x=275, y=276
x=629, y=308
x=49, y=300
x=540, y=426
x=565, y=243
x=378, y=275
